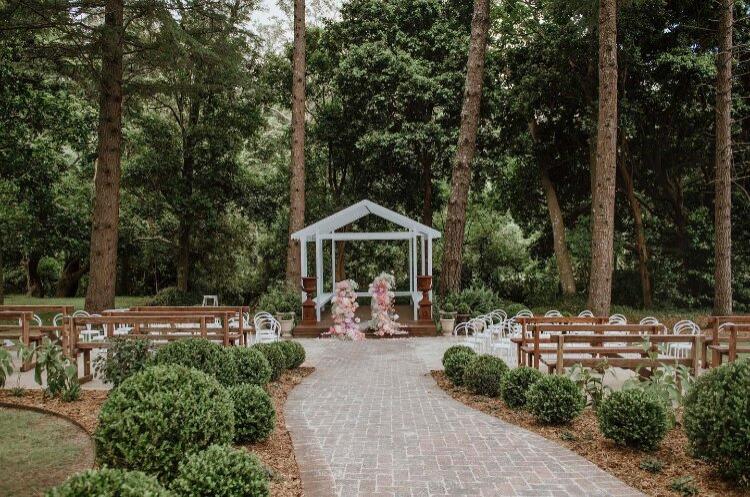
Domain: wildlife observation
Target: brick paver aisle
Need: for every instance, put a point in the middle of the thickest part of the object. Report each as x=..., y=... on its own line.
x=370, y=422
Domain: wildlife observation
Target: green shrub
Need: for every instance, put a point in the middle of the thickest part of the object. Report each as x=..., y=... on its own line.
x=254, y=414
x=515, y=383
x=221, y=471
x=157, y=416
x=555, y=400
x=252, y=366
x=454, y=349
x=124, y=358
x=108, y=482
x=201, y=354
x=478, y=300
x=634, y=418
x=652, y=465
x=483, y=374
x=275, y=355
x=60, y=371
x=456, y=363
x=172, y=296
x=717, y=419
x=684, y=486
x=294, y=353
x=281, y=297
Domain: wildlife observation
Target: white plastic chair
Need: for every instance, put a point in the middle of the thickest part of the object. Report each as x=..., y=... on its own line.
x=267, y=328
x=617, y=319
x=524, y=313
x=553, y=313
x=684, y=327
x=210, y=301
x=470, y=340
x=586, y=314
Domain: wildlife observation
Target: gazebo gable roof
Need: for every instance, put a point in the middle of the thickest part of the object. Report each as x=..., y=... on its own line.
x=357, y=211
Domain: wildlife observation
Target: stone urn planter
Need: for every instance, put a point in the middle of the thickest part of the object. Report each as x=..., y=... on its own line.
x=447, y=322
x=286, y=319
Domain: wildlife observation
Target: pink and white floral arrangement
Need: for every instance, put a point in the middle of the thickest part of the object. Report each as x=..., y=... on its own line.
x=384, y=317
x=344, y=308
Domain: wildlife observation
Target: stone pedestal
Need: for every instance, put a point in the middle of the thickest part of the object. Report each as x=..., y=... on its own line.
x=308, y=306
x=424, y=285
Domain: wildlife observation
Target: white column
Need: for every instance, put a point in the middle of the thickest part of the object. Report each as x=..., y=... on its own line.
x=411, y=267
x=303, y=261
x=429, y=263
x=333, y=263
x=423, y=254
x=318, y=273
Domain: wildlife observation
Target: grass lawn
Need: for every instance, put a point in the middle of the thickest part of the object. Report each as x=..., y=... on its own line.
x=39, y=451
x=121, y=301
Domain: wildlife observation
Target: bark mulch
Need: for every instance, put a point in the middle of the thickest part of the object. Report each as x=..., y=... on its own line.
x=583, y=437
x=277, y=453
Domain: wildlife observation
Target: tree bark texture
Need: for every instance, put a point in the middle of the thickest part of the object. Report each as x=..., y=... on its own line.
x=34, y=286
x=297, y=173
x=562, y=255
x=450, y=278
x=640, y=235
x=723, y=193
x=73, y=271
x=603, y=207
x=106, y=213
x=426, y=160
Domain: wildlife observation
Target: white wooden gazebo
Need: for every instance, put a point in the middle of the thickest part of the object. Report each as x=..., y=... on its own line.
x=418, y=235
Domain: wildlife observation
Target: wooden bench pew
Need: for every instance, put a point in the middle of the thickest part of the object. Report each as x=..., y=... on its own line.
x=16, y=325
x=238, y=312
x=716, y=337
x=156, y=328
x=541, y=337
x=565, y=357
x=736, y=342
x=44, y=311
x=528, y=323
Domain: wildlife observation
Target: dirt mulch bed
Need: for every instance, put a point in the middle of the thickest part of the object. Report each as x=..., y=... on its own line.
x=583, y=437
x=277, y=452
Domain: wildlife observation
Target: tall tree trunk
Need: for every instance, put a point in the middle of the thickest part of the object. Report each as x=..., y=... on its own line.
x=603, y=207
x=34, y=287
x=426, y=160
x=67, y=285
x=297, y=173
x=184, y=262
x=2, y=279
x=450, y=278
x=562, y=255
x=723, y=202
x=640, y=234
x=106, y=214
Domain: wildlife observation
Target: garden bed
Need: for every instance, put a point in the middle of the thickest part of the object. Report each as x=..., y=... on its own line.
x=583, y=437
x=277, y=452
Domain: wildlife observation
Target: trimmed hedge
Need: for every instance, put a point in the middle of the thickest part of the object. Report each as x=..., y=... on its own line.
x=555, y=400
x=201, y=354
x=275, y=355
x=252, y=366
x=516, y=383
x=108, y=482
x=634, y=418
x=221, y=471
x=172, y=296
x=157, y=416
x=455, y=364
x=294, y=353
x=717, y=419
x=254, y=414
x=454, y=349
x=483, y=375
x=124, y=358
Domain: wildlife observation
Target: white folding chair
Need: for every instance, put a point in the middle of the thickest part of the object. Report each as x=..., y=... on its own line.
x=267, y=328
x=684, y=327
x=553, y=313
x=586, y=314
x=468, y=329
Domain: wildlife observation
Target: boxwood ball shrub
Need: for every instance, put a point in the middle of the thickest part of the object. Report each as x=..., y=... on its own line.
x=275, y=356
x=634, y=418
x=251, y=365
x=555, y=399
x=254, y=414
x=717, y=419
x=221, y=471
x=455, y=348
x=157, y=416
x=201, y=354
x=109, y=482
x=515, y=383
x=294, y=353
x=483, y=374
x=456, y=363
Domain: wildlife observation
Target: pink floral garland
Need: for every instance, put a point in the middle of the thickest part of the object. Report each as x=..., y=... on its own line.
x=383, y=308
x=344, y=308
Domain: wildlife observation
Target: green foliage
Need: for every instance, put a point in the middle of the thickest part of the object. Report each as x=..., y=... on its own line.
x=454, y=349
x=477, y=299
x=124, y=358
x=221, y=471
x=294, y=353
x=281, y=297
x=61, y=372
x=716, y=417
x=515, y=383
x=483, y=374
x=173, y=296
x=455, y=363
x=201, y=354
x=254, y=413
x=274, y=353
x=684, y=486
x=109, y=482
x=651, y=464
x=590, y=382
x=157, y=416
x=555, y=400
x=6, y=366
x=252, y=366
x=634, y=418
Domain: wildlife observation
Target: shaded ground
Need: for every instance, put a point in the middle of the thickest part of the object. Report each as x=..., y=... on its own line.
x=39, y=451
x=583, y=437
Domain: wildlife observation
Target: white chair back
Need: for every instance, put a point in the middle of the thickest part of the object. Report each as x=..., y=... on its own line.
x=267, y=328
x=617, y=319
x=524, y=313
x=210, y=300
x=686, y=327
x=553, y=313
x=586, y=314
x=81, y=314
